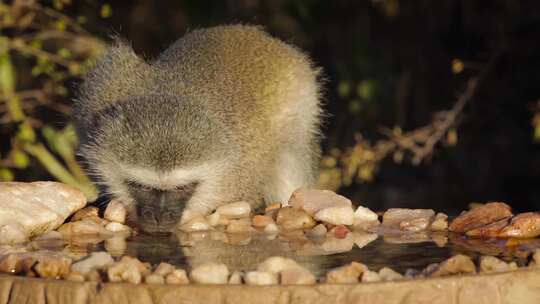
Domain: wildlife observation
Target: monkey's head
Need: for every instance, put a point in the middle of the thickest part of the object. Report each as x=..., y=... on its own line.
x=158, y=153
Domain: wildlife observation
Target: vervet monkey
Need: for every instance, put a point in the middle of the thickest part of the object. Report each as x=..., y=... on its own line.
x=225, y=114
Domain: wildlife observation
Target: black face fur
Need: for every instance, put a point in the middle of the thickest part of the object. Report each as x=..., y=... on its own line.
x=159, y=210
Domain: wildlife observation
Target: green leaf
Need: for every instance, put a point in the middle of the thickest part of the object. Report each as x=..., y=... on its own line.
x=106, y=11
x=6, y=175
x=19, y=158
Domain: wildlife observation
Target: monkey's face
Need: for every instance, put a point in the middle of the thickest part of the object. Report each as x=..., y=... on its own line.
x=160, y=154
x=159, y=210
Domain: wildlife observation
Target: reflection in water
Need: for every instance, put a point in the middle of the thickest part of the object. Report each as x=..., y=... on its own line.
x=245, y=252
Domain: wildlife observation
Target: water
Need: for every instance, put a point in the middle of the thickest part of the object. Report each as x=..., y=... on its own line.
x=247, y=251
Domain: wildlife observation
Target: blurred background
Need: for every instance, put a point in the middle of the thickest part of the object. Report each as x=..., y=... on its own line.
x=432, y=104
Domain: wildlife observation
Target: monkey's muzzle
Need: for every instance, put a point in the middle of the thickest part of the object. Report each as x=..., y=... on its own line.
x=157, y=218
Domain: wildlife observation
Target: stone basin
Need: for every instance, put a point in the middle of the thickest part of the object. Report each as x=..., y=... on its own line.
x=518, y=286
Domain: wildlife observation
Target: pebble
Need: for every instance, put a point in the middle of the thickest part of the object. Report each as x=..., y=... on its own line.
x=84, y=227
x=95, y=260
x=370, y=276
x=37, y=207
x=84, y=213
x=440, y=223
x=412, y=220
x=388, y=274
x=297, y=276
x=210, y=273
x=116, y=212
x=197, y=223
x=261, y=221
x=312, y=200
x=239, y=226
x=293, y=219
x=128, y=269
x=177, y=276
x=493, y=264
x=260, y=278
x=235, y=210
x=336, y=215
x=480, y=216
x=236, y=278
x=346, y=274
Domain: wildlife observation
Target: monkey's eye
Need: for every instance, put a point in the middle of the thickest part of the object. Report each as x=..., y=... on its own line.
x=140, y=187
x=186, y=187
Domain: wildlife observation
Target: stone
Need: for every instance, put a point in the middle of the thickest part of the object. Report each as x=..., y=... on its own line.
x=457, y=264
x=489, y=230
x=74, y=277
x=297, y=276
x=440, y=223
x=271, y=229
x=318, y=231
x=346, y=274
x=154, y=279
x=197, y=223
x=84, y=213
x=210, y=273
x=38, y=207
x=493, y=264
x=84, y=227
x=164, y=269
x=340, y=231
x=277, y=264
x=235, y=278
x=116, y=212
x=12, y=234
x=96, y=260
x=128, y=269
x=239, y=226
x=388, y=274
x=480, y=216
x=116, y=245
x=523, y=225
x=364, y=214
x=412, y=220
x=119, y=229
x=261, y=278
x=177, y=276
x=336, y=245
x=293, y=219
x=362, y=239
x=370, y=276
x=235, y=210
x=261, y=221
x=336, y=215
x=312, y=200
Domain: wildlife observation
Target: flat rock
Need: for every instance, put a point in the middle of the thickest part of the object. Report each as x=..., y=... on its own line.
x=38, y=207
x=312, y=200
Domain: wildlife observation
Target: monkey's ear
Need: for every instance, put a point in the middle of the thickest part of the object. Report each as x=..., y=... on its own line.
x=118, y=74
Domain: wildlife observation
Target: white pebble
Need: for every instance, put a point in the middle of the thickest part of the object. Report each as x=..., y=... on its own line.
x=271, y=228
x=277, y=264
x=177, y=276
x=210, y=273
x=235, y=278
x=235, y=210
x=196, y=224
x=118, y=228
x=336, y=216
x=116, y=212
x=94, y=261
x=365, y=214
x=261, y=278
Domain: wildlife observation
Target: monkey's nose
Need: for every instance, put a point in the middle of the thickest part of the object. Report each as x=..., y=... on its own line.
x=157, y=219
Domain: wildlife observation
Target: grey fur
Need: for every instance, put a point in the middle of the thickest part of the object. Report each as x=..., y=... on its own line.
x=230, y=95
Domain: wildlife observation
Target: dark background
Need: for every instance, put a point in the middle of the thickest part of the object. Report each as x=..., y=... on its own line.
x=404, y=51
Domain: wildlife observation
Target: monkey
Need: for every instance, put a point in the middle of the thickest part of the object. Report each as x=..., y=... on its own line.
x=226, y=113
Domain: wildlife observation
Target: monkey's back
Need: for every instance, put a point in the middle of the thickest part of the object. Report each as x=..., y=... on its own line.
x=246, y=78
